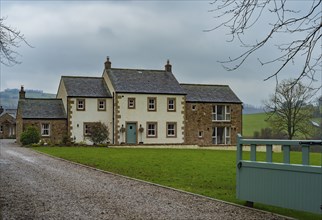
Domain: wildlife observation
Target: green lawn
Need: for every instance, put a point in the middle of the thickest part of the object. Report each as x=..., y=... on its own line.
x=254, y=122
x=206, y=172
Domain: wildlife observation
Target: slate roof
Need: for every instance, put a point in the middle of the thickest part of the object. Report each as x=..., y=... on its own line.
x=42, y=108
x=77, y=86
x=11, y=112
x=144, y=81
x=210, y=93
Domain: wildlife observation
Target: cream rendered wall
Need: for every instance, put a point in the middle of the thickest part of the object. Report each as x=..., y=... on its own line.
x=91, y=114
x=62, y=94
x=141, y=115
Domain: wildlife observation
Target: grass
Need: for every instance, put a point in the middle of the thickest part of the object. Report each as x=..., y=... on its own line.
x=254, y=122
x=206, y=172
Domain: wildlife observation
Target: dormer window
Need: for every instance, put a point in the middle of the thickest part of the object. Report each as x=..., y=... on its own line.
x=80, y=104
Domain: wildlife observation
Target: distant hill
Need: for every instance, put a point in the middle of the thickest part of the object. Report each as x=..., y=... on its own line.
x=9, y=97
x=250, y=109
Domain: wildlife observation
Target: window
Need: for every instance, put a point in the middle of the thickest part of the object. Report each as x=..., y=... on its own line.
x=45, y=129
x=221, y=113
x=101, y=105
x=1, y=128
x=193, y=107
x=87, y=129
x=171, y=129
x=80, y=104
x=131, y=103
x=152, y=104
x=200, y=134
x=171, y=104
x=151, y=131
x=221, y=135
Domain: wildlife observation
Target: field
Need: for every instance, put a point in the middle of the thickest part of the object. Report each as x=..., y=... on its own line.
x=254, y=122
x=206, y=172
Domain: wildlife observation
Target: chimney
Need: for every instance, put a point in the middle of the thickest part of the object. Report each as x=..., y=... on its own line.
x=1, y=110
x=107, y=63
x=168, y=66
x=22, y=93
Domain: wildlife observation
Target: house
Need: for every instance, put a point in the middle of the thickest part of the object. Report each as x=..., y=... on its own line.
x=7, y=123
x=149, y=105
x=213, y=115
x=86, y=100
x=139, y=106
x=48, y=115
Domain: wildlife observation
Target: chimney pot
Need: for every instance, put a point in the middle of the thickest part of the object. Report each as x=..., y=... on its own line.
x=22, y=93
x=168, y=66
x=108, y=63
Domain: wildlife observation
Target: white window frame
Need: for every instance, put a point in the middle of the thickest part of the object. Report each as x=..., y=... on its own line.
x=172, y=130
x=171, y=104
x=101, y=104
x=131, y=103
x=226, y=136
x=80, y=104
x=151, y=132
x=225, y=113
x=86, y=129
x=152, y=104
x=45, y=131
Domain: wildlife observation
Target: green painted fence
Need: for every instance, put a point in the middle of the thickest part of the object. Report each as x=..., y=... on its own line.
x=294, y=186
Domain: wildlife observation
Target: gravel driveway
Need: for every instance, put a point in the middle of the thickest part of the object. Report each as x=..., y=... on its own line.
x=34, y=186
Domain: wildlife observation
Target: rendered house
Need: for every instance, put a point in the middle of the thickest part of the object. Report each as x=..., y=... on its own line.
x=139, y=106
x=149, y=105
x=48, y=115
x=7, y=123
x=86, y=100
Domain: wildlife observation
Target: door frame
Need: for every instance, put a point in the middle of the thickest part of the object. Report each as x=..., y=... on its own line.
x=136, y=126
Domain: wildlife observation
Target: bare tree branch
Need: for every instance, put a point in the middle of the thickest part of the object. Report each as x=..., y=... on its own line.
x=10, y=40
x=302, y=25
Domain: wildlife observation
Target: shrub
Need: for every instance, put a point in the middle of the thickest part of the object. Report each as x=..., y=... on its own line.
x=30, y=136
x=99, y=133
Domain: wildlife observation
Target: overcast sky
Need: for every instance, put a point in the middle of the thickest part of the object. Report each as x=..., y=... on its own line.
x=74, y=38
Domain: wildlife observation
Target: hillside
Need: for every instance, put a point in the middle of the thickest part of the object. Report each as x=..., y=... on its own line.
x=254, y=122
x=9, y=97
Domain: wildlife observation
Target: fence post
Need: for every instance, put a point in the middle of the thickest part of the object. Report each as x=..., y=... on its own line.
x=305, y=155
x=239, y=148
x=286, y=153
x=253, y=152
x=269, y=155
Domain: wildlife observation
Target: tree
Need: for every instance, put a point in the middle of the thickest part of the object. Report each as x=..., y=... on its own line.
x=99, y=133
x=10, y=39
x=299, y=28
x=289, y=109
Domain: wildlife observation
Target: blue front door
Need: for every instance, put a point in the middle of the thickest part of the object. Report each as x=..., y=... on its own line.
x=131, y=133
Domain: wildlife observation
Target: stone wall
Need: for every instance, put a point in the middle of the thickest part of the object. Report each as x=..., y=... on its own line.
x=8, y=125
x=200, y=120
x=58, y=129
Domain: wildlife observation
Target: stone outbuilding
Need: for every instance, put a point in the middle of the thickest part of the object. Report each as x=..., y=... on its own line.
x=7, y=123
x=213, y=115
x=47, y=115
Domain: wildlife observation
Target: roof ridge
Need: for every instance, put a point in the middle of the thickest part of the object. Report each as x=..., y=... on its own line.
x=40, y=99
x=192, y=84
x=160, y=70
x=91, y=77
